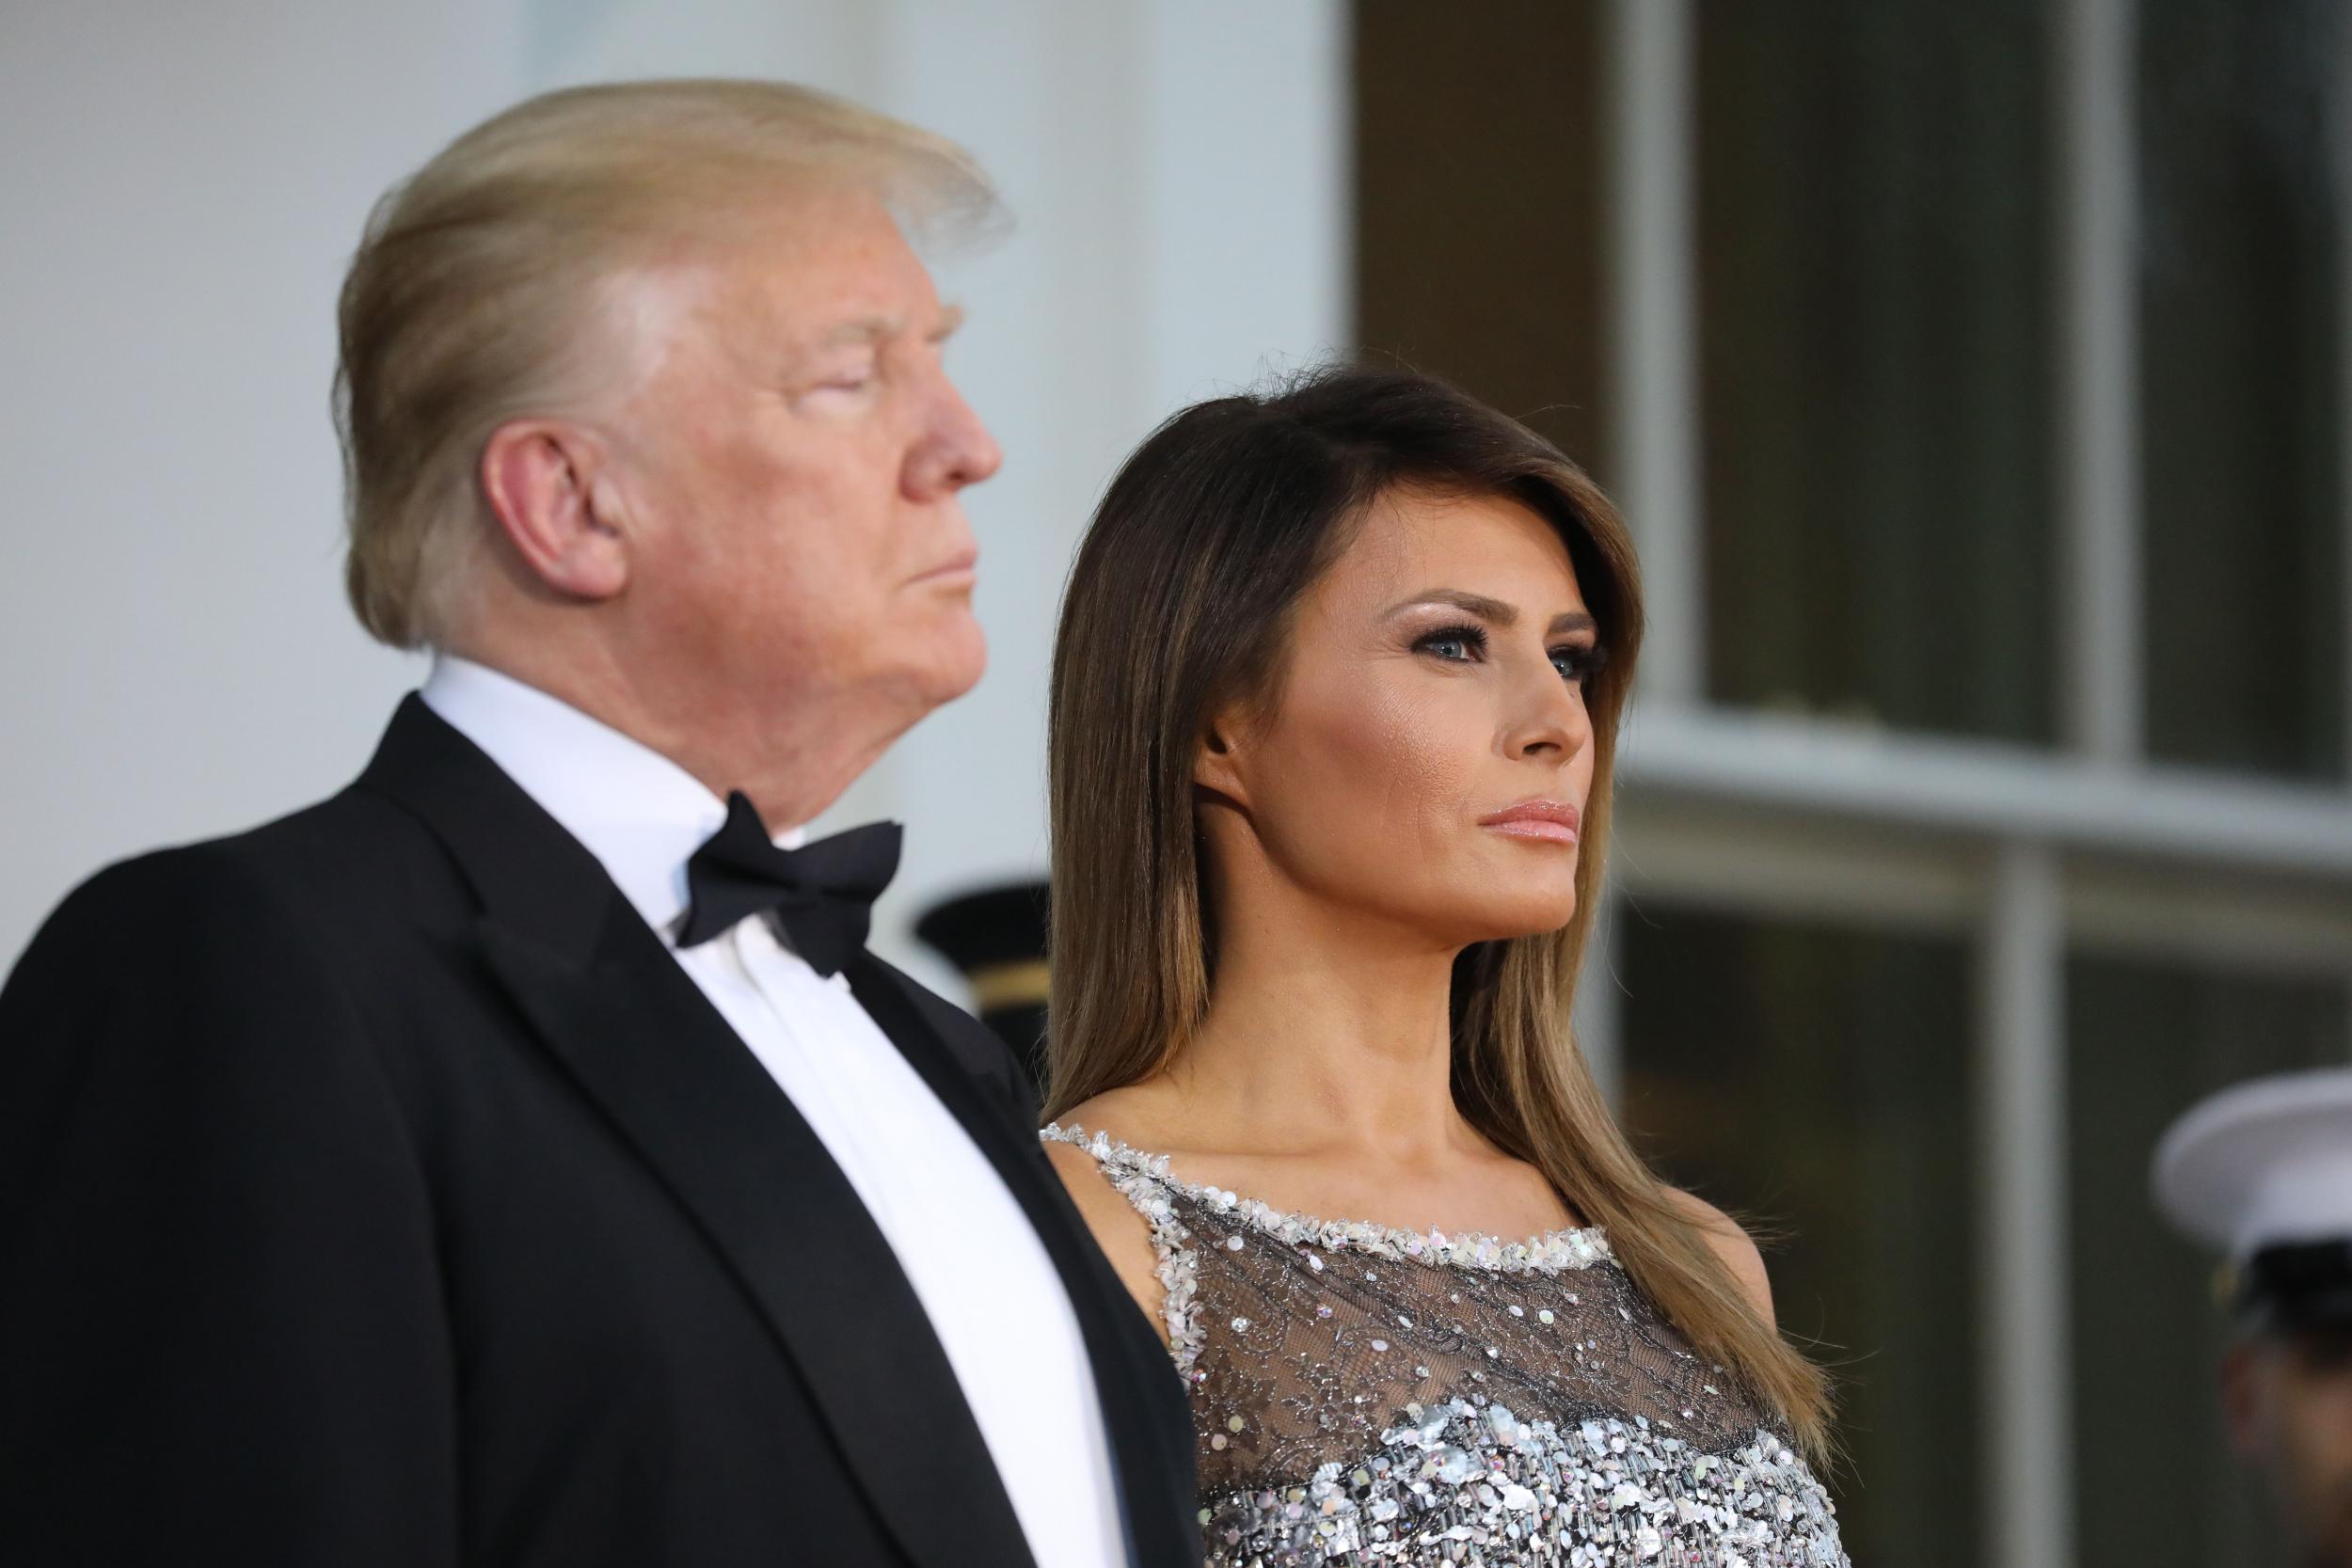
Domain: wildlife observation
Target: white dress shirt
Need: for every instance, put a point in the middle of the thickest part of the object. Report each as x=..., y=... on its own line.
x=992, y=1293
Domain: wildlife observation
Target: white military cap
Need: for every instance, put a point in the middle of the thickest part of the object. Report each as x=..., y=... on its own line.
x=2262, y=1172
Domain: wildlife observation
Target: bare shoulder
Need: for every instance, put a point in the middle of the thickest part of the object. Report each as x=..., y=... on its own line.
x=1733, y=1246
x=1119, y=1228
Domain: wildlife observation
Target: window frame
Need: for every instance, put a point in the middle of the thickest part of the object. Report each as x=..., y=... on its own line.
x=2030, y=854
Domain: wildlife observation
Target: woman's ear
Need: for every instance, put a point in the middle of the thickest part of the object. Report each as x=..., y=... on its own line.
x=546, y=483
x=1217, y=762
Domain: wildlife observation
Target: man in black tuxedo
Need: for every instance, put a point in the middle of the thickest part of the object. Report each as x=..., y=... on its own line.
x=518, y=1158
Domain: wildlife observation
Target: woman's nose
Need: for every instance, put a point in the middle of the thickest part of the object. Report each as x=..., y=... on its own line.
x=1553, y=722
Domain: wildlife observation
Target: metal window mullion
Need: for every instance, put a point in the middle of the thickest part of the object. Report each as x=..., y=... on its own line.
x=1653, y=293
x=1912, y=782
x=1600, y=1012
x=2100, y=563
x=2340, y=129
x=2025, y=1443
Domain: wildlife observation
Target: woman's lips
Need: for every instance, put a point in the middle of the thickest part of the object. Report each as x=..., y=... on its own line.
x=1553, y=821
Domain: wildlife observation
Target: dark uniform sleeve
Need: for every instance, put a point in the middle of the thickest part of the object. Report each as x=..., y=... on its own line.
x=221, y=1330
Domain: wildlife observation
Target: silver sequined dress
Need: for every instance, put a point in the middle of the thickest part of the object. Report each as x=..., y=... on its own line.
x=1364, y=1396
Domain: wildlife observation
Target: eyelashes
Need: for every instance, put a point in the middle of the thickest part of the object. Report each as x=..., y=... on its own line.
x=1577, y=662
x=1471, y=637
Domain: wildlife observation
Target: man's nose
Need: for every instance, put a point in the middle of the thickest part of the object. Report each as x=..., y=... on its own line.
x=955, y=449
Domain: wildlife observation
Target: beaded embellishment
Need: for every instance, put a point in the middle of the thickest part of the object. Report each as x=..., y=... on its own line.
x=1365, y=1395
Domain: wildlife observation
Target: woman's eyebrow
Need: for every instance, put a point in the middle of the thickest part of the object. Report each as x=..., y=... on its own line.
x=1479, y=605
x=1495, y=611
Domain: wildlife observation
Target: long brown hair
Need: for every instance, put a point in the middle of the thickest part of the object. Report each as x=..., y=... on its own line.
x=1181, y=601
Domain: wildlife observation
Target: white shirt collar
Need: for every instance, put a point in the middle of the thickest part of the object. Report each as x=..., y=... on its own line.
x=639, y=814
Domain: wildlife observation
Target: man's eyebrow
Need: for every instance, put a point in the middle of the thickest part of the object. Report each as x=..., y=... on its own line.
x=865, y=329
x=1495, y=611
x=881, y=328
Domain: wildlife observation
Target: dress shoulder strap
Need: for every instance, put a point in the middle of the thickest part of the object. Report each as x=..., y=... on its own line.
x=1144, y=1180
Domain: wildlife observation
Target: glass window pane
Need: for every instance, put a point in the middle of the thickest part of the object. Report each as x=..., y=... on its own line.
x=1478, y=203
x=2242, y=417
x=2155, y=1482
x=1876, y=353
x=1815, y=1078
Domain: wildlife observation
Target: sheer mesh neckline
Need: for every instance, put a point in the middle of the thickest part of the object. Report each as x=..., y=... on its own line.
x=1555, y=1251
x=1366, y=1395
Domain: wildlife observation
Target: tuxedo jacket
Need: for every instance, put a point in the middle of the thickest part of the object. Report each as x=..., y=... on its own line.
x=376, y=1189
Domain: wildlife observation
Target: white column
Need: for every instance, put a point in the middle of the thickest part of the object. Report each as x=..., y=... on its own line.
x=1653, y=379
x=2099, y=448
x=1248, y=223
x=185, y=190
x=1176, y=174
x=2026, y=1466
x=1051, y=96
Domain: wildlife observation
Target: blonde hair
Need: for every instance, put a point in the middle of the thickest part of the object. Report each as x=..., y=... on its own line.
x=478, y=293
x=1181, y=601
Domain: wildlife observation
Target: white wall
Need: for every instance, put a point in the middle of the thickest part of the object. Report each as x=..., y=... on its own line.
x=185, y=184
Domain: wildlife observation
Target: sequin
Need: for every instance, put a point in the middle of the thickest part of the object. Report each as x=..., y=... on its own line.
x=1512, y=1445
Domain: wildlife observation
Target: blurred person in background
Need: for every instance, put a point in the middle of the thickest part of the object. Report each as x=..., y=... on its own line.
x=2262, y=1172
x=1333, y=729
x=518, y=1158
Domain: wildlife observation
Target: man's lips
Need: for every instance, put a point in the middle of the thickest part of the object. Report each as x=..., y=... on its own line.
x=1552, y=821
x=964, y=564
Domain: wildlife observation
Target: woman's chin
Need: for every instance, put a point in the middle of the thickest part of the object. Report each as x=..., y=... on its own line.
x=1508, y=920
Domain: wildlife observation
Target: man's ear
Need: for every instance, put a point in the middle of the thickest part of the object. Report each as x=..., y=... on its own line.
x=545, y=483
x=1217, y=762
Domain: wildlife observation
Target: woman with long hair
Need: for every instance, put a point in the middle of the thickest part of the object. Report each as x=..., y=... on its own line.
x=1335, y=700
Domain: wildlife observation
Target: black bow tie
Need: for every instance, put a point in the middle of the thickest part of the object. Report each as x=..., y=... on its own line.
x=821, y=893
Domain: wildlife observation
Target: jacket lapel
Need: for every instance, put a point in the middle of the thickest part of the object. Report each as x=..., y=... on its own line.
x=611, y=1003
x=1143, y=1401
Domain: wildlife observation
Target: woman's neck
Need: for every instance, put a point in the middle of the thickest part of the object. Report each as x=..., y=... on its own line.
x=1324, y=1032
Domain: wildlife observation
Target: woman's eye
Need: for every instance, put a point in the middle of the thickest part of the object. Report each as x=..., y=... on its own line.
x=1577, y=663
x=1454, y=645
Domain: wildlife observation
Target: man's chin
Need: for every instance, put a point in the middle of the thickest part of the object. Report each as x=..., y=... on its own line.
x=956, y=667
